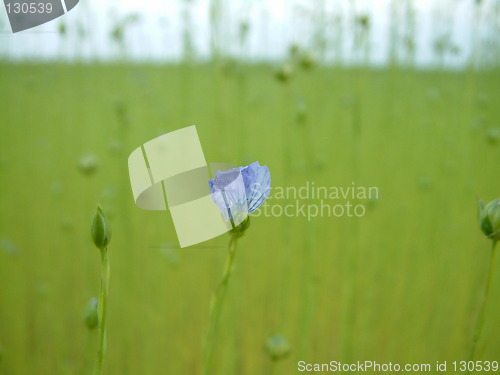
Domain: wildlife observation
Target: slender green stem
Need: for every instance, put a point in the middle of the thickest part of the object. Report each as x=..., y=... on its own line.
x=102, y=309
x=217, y=304
x=480, y=318
x=274, y=367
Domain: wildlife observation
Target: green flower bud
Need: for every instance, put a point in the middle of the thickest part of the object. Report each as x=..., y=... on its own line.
x=363, y=21
x=301, y=111
x=293, y=50
x=67, y=224
x=284, y=73
x=42, y=290
x=493, y=136
x=90, y=316
x=171, y=254
x=277, y=347
x=101, y=230
x=307, y=61
x=87, y=164
x=8, y=246
x=62, y=29
x=489, y=218
x=244, y=28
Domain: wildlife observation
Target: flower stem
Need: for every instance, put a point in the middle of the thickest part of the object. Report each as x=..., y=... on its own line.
x=217, y=304
x=102, y=309
x=274, y=367
x=480, y=318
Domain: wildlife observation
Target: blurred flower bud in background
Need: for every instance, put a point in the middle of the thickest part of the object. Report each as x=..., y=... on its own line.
x=489, y=218
x=91, y=317
x=87, y=164
x=284, y=73
x=277, y=347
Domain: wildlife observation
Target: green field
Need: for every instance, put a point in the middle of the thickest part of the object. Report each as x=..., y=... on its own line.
x=401, y=284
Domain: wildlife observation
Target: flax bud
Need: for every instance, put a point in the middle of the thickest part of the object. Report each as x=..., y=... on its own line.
x=101, y=230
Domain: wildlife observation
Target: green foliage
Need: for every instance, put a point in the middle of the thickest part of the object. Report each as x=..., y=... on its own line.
x=409, y=269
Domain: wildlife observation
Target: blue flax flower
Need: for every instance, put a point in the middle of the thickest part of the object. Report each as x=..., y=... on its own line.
x=240, y=191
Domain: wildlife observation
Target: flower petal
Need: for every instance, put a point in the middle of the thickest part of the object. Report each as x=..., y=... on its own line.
x=240, y=191
x=228, y=192
x=257, y=185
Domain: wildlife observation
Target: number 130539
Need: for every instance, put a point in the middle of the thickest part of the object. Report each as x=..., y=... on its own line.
x=28, y=8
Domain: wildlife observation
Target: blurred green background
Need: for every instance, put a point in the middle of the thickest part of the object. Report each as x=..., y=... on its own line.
x=401, y=284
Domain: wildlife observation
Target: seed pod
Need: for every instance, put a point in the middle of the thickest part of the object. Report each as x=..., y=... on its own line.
x=301, y=111
x=171, y=254
x=101, y=230
x=91, y=317
x=87, y=164
x=307, y=61
x=277, y=347
x=489, y=218
x=284, y=73
x=293, y=50
x=493, y=136
x=62, y=29
x=363, y=21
